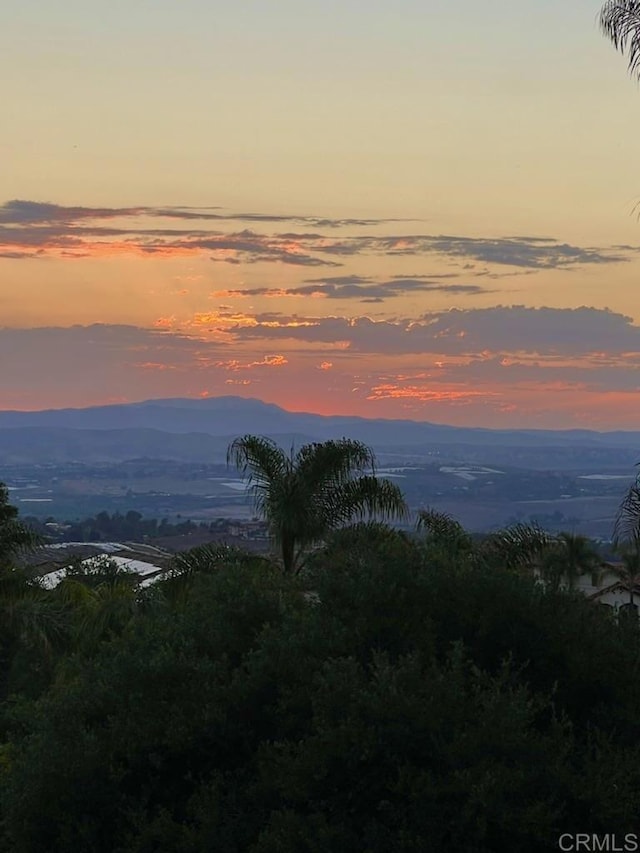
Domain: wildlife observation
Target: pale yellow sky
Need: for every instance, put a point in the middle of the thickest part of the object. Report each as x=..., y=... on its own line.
x=483, y=130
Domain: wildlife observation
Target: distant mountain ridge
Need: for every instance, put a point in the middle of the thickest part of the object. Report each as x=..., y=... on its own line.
x=228, y=416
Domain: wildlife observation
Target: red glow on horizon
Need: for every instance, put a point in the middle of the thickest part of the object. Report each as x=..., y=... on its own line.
x=516, y=408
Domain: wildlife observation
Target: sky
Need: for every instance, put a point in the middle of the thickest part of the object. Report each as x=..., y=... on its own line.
x=419, y=210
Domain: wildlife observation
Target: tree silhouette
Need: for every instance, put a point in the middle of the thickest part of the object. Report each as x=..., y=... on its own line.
x=305, y=495
x=14, y=535
x=620, y=22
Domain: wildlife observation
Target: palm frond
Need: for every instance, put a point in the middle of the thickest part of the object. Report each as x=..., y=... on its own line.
x=72, y=593
x=334, y=462
x=579, y=557
x=209, y=558
x=444, y=532
x=257, y=457
x=579, y=552
x=365, y=497
x=108, y=612
x=17, y=538
x=439, y=524
x=36, y=619
x=322, y=472
x=620, y=22
x=520, y=545
x=627, y=524
x=262, y=463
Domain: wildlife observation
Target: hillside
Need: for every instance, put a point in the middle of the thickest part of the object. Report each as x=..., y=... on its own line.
x=231, y=416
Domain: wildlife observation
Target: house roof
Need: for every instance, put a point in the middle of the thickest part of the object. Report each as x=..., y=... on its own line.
x=146, y=572
x=616, y=586
x=50, y=562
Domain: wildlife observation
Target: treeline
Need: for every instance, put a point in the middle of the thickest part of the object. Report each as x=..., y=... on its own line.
x=105, y=527
x=395, y=695
x=365, y=690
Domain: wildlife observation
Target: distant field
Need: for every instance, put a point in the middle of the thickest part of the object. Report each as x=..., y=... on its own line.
x=482, y=497
x=155, y=485
x=595, y=517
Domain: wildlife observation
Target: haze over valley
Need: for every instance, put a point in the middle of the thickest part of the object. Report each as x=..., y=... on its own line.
x=167, y=458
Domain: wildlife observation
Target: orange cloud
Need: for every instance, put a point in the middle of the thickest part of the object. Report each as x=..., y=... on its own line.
x=154, y=365
x=266, y=361
x=271, y=361
x=423, y=395
x=270, y=293
x=223, y=319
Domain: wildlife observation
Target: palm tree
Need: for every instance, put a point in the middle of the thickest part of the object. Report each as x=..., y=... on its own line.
x=578, y=556
x=626, y=540
x=99, y=599
x=627, y=524
x=557, y=559
x=28, y=614
x=620, y=22
x=445, y=532
x=441, y=526
x=305, y=495
x=520, y=546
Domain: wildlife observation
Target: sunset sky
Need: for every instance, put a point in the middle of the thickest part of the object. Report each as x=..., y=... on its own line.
x=413, y=209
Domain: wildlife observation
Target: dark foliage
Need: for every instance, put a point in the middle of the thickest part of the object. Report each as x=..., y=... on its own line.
x=385, y=700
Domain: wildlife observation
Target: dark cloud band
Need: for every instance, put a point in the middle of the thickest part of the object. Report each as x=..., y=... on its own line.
x=33, y=229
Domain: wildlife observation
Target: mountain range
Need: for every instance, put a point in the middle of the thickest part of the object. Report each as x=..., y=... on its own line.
x=193, y=430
